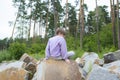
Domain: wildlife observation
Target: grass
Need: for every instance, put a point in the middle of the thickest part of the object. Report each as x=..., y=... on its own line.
x=37, y=55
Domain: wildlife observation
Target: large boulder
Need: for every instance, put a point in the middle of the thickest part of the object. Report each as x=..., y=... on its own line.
x=30, y=64
x=57, y=70
x=112, y=56
x=13, y=71
x=100, y=73
x=117, y=54
x=89, y=59
x=92, y=56
x=113, y=66
x=109, y=57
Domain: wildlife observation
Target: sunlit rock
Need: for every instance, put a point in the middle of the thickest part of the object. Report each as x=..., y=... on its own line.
x=99, y=62
x=6, y=65
x=26, y=58
x=13, y=71
x=80, y=62
x=57, y=70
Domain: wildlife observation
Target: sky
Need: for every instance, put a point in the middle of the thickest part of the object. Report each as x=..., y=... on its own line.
x=8, y=13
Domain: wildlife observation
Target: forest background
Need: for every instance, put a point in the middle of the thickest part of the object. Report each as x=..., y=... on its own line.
x=92, y=31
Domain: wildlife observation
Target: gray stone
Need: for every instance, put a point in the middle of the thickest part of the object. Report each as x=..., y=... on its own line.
x=109, y=57
x=89, y=59
x=112, y=56
x=113, y=66
x=100, y=73
x=117, y=54
x=90, y=56
x=83, y=73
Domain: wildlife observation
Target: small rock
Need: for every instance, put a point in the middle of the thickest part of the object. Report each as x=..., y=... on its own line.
x=31, y=67
x=99, y=62
x=80, y=62
x=27, y=59
x=90, y=56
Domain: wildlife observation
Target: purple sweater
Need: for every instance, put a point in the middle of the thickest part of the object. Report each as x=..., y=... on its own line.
x=56, y=47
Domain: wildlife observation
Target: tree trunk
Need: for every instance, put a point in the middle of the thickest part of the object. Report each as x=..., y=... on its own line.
x=82, y=23
x=113, y=21
x=15, y=24
x=29, y=29
x=55, y=16
x=97, y=25
x=34, y=34
x=47, y=20
x=30, y=21
x=39, y=28
x=66, y=16
x=118, y=24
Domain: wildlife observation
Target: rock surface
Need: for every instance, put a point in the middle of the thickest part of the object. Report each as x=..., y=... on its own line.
x=57, y=70
x=117, y=54
x=100, y=73
x=27, y=59
x=112, y=56
x=89, y=59
x=13, y=71
x=114, y=66
x=109, y=57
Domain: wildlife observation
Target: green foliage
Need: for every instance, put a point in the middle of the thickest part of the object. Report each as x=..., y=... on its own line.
x=17, y=49
x=70, y=42
x=72, y=19
x=106, y=36
x=38, y=56
x=90, y=43
x=5, y=55
x=36, y=48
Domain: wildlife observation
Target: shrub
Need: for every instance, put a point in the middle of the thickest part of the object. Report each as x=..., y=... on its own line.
x=36, y=48
x=17, y=49
x=5, y=55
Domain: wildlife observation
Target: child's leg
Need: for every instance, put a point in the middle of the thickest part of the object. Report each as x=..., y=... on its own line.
x=70, y=53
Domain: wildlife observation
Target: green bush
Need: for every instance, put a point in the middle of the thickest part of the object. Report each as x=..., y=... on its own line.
x=5, y=56
x=17, y=49
x=90, y=43
x=36, y=48
x=38, y=56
